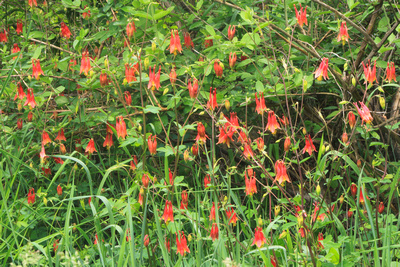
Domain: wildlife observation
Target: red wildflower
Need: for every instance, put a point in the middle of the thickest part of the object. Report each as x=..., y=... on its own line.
x=20, y=92
x=302, y=232
x=362, y=201
x=89, y=200
x=130, y=73
x=322, y=71
x=207, y=180
x=168, y=212
x=32, y=3
x=208, y=42
x=60, y=136
x=251, y=187
x=172, y=76
x=181, y=244
x=19, y=27
x=42, y=154
x=320, y=238
x=390, y=71
x=272, y=124
x=301, y=16
x=260, y=104
x=193, y=90
x=15, y=50
x=152, y=144
x=352, y=119
x=218, y=68
x=364, y=113
x=3, y=36
x=168, y=245
x=349, y=214
x=281, y=172
x=128, y=98
x=130, y=29
x=154, y=80
x=212, y=213
x=231, y=215
x=59, y=190
x=214, y=232
x=45, y=138
x=259, y=238
x=134, y=163
x=30, y=99
x=201, y=133
x=104, y=80
x=108, y=142
x=370, y=74
x=85, y=63
x=286, y=145
x=309, y=147
x=145, y=180
x=184, y=202
x=225, y=135
x=86, y=14
x=231, y=32
x=31, y=196
x=146, y=240
x=195, y=149
x=260, y=144
x=30, y=116
x=55, y=245
x=232, y=59
x=65, y=32
x=121, y=127
x=19, y=123
x=175, y=43
x=58, y=160
x=381, y=208
x=345, y=138
x=353, y=189
x=141, y=193
x=188, y=40
x=90, y=148
x=212, y=102
x=36, y=68
x=343, y=34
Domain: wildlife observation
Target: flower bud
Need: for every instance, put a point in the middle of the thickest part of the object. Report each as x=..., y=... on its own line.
x=186, y=156
x=359, y=164
x=277, y=210
x=227, y=104
x=283, y=235
x=353, y=81
x=300, y=221
x=45, y=201
x=146, y=241
x=349, y=214
x=345, y=138
x=286, y=145
x=106, y=63
x=304, y=85
x=304, y=131
x=259, y=221
x=382, y=102
x=318, y=190
x=381, y=208
x=341, y=199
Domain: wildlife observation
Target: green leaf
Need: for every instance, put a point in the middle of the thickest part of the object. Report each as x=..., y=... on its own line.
x=210, y=30
x=259, y=86
x=61, y=100
x=151, y=109
x=333, y=256
x=163, y=13
x=37, y=53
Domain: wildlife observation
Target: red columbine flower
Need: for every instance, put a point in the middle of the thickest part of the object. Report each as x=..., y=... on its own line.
x=59, y=190
x=195, y=149
x=231, y=215
x=108, y=142
x=60, y=136
x=301, y=16
x=58, y=160
x=390, y=72
x=19, y=26
x=121, y=127
x=184, y=202
x=381, y=207
x=104, y=80
x=181, y=244
x=145, y=180
x=259, y=238
x=172, y=76
x=65, y=32
x=345, y=138
x=36, y=68
x=30, y=116
x=231, y=32
x=353, y=189
x=208, y=43
x=251, y=187
x=152, y=144
x=32, y=3
x=364, y=113
x=212, y=102
x=232, y=59
x=260, y=104
x=343, y=34
x=281, y=172
x=20, y=92
x=352, y=119
x=46, y=171
x=247, y=151
x=86, y=14
x=31, y=196
x=85, y=63
x=42, y=155
x=322, y=71
x=214, y=232
x=55, y=245
x=3, y=36
x=175, y=43
x=146, y=241
x=272, y=124
x=90, y=147
x=286, y=145
x=370, y=74
x=212, y=213
x=362, y=201
x=130, y=73
x=260, y=144
x=15, y=49
x=193, y=90
x=188, y=40
x=130, y=29
x=207, y=180
x=19, y=123
x=30, y=99
x=201, y=134
x=168, y=212
x=309, y=147
x=134, y=163
x=128, y=98
x=320, y=238
x=154, y=80
x=45, y=138
x=218, y=68
x=171, y=177
x=226, y=134
x=141, y=193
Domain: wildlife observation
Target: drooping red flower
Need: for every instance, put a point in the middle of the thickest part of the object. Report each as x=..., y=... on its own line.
x=108, y=142
x=171, y=177
x=152, y=144
x=30, y=116
x=247, y=151
x=193, y=90
x=207, y=180
x=302, y=232
x=121, y=127
x=154, y=80
x=86, y=14
x=370, y=74
x=272, y=124
x=362, y=200
x=322, y=71
x=259, y=238
x=231, y=32
x=19, y=27
x=104, y=79
x=352, y=119
x=31, y=196
x=320, y=238
x=130, y=29
x=364, y=113
x=146, y=241
x=231, y=215
x=168, y=212
x=19, y=123
x=260, y=104
x=343, y=34
x=188, y=40
x=85, y=63
x=201, y=133
x=309, y=147
x=226, y=134
x=168, y=245
x=46, y=171
x=281, y=172
x=381, y=207
x=20, y=92
x=185, y=201
x=218, y=68
x=214, y=232
x=345, y=138
x=141, y=193
x=260, y=144
x=212, y=213
x=349, y=214
x=286, y=145
x=301, y=16
x=61, y=136
x=134, y=163
x=251, y=187
x=181, y=244
x=32, y=3
x=130, y=73
x=232, y=59
x=42, y=155
x=3, y=36
x=208, y=42
x=64, y=31
x=59, y=190
x=45, y=138
x=172, y=76
x=36, y=69
x=175, y=43
x=128, y=98
x=353, y=189
x=90, y=148
x=58, y=160
x=30, y=99
x=15, y=50
x=212, y=102
x=390, y=72
x=195, y=149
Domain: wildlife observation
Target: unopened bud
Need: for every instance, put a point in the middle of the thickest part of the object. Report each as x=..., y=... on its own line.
x=283, y=235
x=345, y=138
x=304, y=131
x=186, y=156
x=227, y=105
x=106, y=63
x=353, y=81
x=341, y=199
x=382, y=102
x=277, y=210
x=300, y=221
x=146, y=62
x=165, y=91
x=380, y=89
x=286, y=145
x=359, y=164
x=45, y=201
x=260, y=222
x=318, y=190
